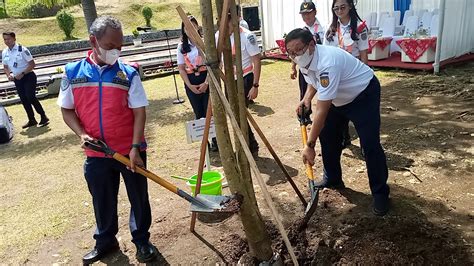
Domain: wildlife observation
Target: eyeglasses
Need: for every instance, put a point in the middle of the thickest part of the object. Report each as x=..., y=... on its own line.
x=339, y=8
x=292, y=55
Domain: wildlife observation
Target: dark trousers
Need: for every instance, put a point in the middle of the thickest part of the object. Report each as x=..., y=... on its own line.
x=248, y=84
x=103, y=179
x=26, y=88
x=198, y=101
x=364, y=112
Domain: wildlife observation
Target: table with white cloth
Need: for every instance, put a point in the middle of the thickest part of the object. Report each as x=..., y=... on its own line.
x=418, y=50
x=379, y=48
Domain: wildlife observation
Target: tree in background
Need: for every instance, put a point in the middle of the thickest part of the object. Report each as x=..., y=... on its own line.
x=66, y=23
x=147, y=14
x=88, y=7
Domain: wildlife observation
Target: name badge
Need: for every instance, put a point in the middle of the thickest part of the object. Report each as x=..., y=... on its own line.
x=15, y=64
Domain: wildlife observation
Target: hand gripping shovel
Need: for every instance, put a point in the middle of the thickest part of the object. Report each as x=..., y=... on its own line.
x=314, y=191
x=200, y=203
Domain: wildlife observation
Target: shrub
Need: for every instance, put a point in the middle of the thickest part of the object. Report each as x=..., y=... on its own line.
x=147, y=14
x=65, y=22
x=38, y=10
x=135, y=33
x=3, y=12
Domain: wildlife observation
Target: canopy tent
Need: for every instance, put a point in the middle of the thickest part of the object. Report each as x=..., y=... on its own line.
x=456, y=23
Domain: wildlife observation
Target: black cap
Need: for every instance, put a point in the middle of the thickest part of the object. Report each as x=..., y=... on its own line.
x=307, y=7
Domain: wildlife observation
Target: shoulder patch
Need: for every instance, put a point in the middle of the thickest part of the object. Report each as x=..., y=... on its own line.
x=363, y=35
x=324, y=79
x=27, y=53
x=252, y=39
x=64, y=83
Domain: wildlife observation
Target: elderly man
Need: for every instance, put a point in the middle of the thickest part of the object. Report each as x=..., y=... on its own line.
x=347, y=90
x=103, y=98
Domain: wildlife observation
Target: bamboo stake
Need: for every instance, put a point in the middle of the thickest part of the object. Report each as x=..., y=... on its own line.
x=277, y=159
x=202, y=158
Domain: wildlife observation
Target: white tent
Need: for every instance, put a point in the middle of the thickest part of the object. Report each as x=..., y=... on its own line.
x=456, y=23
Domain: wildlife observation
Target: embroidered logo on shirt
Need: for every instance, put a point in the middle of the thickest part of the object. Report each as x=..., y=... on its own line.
x=27, y=53
x=252, y=39
x=121, y=75
x=363, y=36
x=324, y=79
x=64, y=83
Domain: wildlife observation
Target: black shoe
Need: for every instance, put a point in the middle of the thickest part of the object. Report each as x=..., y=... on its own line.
x=326, y=184
x=146, y=252
x=254, y=150
x=30, y=124
x=97, y=254
x=213, y=147
x=43, y=122
x=346, y=143
x=381, y=207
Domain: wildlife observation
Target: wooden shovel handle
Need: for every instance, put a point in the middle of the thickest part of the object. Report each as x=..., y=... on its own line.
x=309, y=168
x=146, y=173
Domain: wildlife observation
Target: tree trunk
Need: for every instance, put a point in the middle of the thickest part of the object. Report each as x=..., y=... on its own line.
x=90, y=12
x=254, y=227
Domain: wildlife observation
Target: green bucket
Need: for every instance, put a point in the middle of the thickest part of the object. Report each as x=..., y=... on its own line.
x=211, y=183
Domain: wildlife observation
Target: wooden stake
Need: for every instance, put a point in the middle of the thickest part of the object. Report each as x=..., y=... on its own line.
x=277, y=159
x=202, y=158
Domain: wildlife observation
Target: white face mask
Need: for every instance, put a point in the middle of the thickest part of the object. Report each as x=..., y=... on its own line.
x=108, y=56
x=304, y=60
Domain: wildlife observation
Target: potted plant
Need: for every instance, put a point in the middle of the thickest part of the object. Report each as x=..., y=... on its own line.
x=137, y=41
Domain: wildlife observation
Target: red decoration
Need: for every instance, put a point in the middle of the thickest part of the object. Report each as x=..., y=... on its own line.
x=380, y=42
x=415, y=48
x=281, y=45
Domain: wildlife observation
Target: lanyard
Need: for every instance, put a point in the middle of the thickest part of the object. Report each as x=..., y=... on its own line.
x=340, y=38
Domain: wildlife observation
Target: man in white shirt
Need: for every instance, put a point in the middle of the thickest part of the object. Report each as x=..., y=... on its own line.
x=18, y=64
x=251, y=66
x=347, y=89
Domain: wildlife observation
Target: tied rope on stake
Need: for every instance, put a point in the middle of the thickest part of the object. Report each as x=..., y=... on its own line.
x=253, y=165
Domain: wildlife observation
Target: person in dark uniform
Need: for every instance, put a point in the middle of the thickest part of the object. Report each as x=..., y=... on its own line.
x=193, y=71
x=103, y=98
x=18, y=64
x=308, y=14
x=347, y=90
x=348, y=32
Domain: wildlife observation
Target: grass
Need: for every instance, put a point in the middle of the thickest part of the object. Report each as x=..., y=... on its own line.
x=46, y=30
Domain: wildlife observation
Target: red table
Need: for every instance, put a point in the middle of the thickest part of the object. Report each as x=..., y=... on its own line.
x=415, y=48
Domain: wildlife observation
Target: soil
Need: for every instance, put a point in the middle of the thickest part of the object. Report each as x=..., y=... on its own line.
x=427, y=133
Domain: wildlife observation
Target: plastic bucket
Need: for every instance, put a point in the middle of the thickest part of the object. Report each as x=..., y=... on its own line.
x=211, y=183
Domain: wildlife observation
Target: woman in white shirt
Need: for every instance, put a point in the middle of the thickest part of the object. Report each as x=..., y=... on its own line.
x=348, y=32
x=194, y=73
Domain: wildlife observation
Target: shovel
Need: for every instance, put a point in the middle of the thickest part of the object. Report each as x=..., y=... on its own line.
x=200, y=203
x=305, y=120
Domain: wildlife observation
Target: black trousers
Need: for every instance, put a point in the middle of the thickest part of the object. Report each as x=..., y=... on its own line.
x=26, y=88
x=198, y=101
x=103, y=179
x=364, y=112
x=248, y=84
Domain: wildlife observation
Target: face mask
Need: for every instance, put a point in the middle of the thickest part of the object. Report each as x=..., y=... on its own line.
x=304, y=60
x=108, y=56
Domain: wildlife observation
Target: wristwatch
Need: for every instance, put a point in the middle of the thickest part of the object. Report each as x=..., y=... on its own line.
x=256, y=85
x=311, y=144
x=136, y=145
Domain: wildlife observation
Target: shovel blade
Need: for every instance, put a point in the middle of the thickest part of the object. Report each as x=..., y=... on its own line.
x=215, y=204
x=313, y=203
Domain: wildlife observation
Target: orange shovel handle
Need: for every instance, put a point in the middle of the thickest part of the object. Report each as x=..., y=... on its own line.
x=309, y=168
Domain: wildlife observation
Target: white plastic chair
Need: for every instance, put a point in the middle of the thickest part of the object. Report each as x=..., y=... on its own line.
x=419, y=13
x=382, y=16
x=388, y=27
x=374, y=19
x=411, y=26
x=425, y=21
x=434, y=26
x=368, y=20
x=396, y=14
x=408, y=13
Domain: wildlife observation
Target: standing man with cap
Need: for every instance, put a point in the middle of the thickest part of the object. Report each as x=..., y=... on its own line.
x=18, y=64
x=308, y=14
x=103, y=98
x=347, y=89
